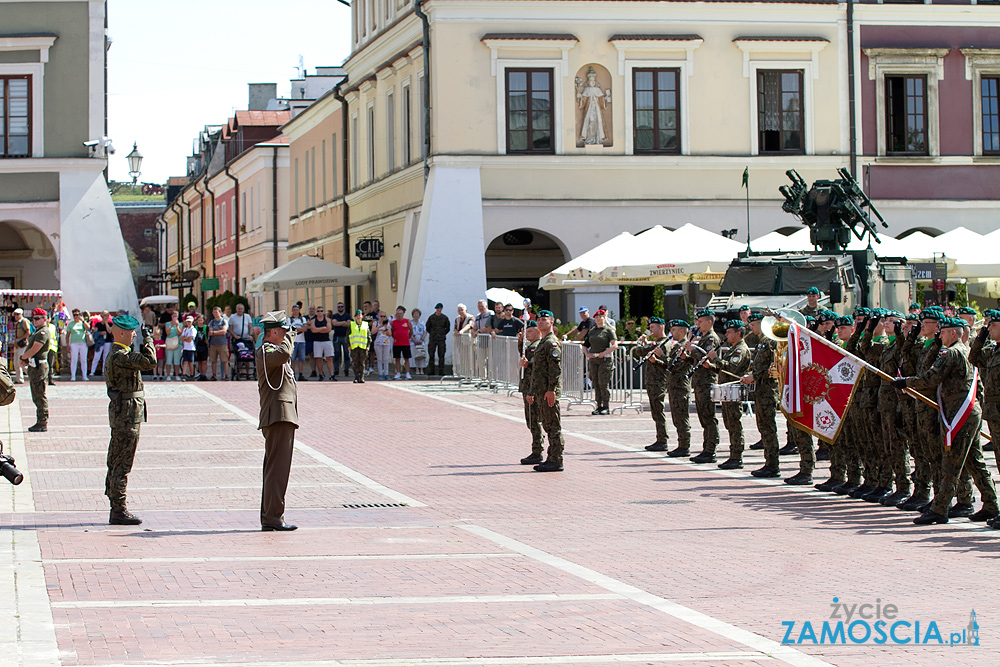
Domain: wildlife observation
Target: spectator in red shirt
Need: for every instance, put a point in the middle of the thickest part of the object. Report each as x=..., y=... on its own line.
x=401, y=331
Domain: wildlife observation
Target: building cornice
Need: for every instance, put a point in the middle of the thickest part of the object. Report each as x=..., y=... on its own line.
x=40, y=42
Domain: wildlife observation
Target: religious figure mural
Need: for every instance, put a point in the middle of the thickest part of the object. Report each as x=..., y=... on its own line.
x=593, y=107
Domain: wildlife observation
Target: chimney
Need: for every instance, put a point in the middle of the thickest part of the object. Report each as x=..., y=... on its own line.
x=261, y=94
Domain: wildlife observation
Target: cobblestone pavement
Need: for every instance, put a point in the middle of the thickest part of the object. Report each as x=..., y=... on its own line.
x=422, y=542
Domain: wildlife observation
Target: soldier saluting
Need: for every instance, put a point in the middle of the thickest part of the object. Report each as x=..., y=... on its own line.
x=546, y=385
x=127, y=410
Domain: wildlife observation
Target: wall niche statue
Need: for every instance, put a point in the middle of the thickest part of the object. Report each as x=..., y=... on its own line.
x=593, y=107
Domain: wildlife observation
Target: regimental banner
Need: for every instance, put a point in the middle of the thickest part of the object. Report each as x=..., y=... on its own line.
x=820, y=382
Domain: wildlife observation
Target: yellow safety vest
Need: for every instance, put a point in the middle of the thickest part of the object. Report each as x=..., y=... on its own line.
x=358, y=338
x=53, y=338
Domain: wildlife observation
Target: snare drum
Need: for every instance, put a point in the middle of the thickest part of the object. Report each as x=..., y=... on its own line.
x=734, y=392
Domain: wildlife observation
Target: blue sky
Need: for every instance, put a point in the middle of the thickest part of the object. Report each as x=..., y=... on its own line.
x=177, y=66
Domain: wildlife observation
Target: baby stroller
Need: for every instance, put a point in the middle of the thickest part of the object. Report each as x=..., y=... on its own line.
x=244, y=368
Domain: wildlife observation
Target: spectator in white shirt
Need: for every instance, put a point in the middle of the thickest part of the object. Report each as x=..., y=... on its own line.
x=188, y=335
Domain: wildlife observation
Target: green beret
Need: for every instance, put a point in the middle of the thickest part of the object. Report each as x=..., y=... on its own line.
x=810, y=319
x=532, y=324
x=680, y=323
x=744, y=307
x=656, y=320
x=358, y=312
x=812, y=290
x=914, y=306
x=844, y=322
x=930, y=314
x=736, y=324
x=952, y=323
x=937, y=308
x=704, y=312
x=893, y=313
x=913, y=317
x=992, y=314
x=545, y=313
x=965, y=310
x=826, y=316
x=125, y=322
x=755, y=317
x=861, y=311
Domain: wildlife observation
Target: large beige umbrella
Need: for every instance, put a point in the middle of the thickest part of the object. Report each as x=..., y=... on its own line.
x=307, y=272
x=581, y=271
x=690, y=253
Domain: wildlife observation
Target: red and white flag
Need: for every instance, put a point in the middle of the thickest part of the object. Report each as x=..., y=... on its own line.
x=953, y=426
x=819, y=383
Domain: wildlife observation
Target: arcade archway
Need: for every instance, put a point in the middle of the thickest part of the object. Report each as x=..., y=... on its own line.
x=518, y=258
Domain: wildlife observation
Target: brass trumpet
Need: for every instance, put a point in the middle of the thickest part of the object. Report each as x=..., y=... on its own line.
x=777, y=330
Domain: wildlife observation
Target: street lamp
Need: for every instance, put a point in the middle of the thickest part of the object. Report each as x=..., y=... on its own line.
x=134, y=162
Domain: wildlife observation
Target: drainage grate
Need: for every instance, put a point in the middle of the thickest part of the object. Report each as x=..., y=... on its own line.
x=659, y=502
x=374, y=505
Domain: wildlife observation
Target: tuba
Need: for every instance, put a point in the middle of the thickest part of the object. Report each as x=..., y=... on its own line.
x=777, y=330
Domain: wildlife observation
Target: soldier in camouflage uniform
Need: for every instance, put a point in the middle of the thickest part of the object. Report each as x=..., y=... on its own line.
x=528, y=341
x=766, y=395
x=701, y=382
x=652, y=349
x=811, y=309
x=896, y=455
x=599, y=345
x=35, y=359
x=126, y=411
x=679, y=388
x=732, y=364
x=879, y=351
x=953, y=375
x=546, y=385
x=843, y=459
x=985, y=355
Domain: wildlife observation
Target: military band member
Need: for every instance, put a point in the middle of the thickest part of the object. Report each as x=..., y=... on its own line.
x=753, y=339
x=701, y=382
x=745, y=316
x=766, y=395
x=35, y=359
x=546, y=385
x=679, y=389
x=534, y=424
x=126, y=411
x=811, y=309
x=655, y=349
x=278, y=416
x=599, y=345
x=732, y=364
x=961, y=417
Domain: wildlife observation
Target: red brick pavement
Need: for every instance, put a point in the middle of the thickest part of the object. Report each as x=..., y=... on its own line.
x=200, y=584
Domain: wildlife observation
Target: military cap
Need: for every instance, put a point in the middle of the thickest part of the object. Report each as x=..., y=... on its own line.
x=930, y=314
x=843, y=321
x=736, y=324
x=680, y=323
x=704, y=312
x=810, y=319
x=39, y=312
x=913, y=317
x=879, y=312
x=744, y=307
x=965, y=310
x=439, y=305
x=601, y=312
x=861, y=311
x=545, y=313
x=826, y=316
x=992, y=314
x=274, y=319
x=914, y=306
x=935, y=307
x=125, y=322
x=754, y=317
x=531, y=324
x=952, y=323
x=812, y=290
x=358, y=312
x=893, y=313
x=656, y=320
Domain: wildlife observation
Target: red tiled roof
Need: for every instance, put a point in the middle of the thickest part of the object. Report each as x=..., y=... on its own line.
x=280, y=139
x=653, y=38
x=177, y=180
x=244, y=117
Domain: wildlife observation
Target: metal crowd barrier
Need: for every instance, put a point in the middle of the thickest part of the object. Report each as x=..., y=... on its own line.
x=463, y=359
x=575, y=387
x=628, y=381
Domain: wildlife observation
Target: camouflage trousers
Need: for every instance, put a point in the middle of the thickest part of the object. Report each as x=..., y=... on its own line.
x=869, y=431
x=994, y=425
x=895, y=458
x=359, y=355
x=549, y=417
x=657, y=394
x=732, y=412
x=926, y=444
x=38, y=376
x=121, y=454
x=706, y=415
x=765, y=406
x=964, y=457
x=680, y=414
x=534, y=425
x=600, y=377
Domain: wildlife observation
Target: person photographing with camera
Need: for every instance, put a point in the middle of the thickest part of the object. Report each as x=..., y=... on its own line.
x=126, y=411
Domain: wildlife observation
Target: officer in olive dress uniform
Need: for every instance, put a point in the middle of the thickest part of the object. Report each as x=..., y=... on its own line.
x=35, y=358
x=767, y=389
x=278, y=416
x=732, y=364
x=126, y=410
x=528, y=342
x=702, y=381
x=654, y=349
x=599, y=345
x=961, y=415
x=546, y=385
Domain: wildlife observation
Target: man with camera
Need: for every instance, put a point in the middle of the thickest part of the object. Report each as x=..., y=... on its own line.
x=36, y=359
x=127, y=410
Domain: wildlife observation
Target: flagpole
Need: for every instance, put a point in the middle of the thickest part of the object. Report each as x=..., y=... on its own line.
x=746, y=184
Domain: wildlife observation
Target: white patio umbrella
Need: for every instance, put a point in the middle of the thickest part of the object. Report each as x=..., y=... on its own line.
x=507, y=297
x=158, y=300
x=674, y=257
x=582, y=269
x=306, y=272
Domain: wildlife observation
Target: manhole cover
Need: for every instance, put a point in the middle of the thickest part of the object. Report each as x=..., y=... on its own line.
x=659, y=502
x=375, y=505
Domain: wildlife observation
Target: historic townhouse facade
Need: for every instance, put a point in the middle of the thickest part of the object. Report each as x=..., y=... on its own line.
x=57, y=220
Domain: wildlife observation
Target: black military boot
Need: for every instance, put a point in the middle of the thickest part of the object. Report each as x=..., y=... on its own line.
x=122, y=517
x=757, y=445
x=861, y=491
x=549, y=466
x=731, y=464
x=829, y=484
x=929, y=517
x=789, y=449
x=845, y=488
x=915, y=502
x=767, y=472
x=704, y=457
x=876, y=494
x=40, y=427
x=531, y=459
x=893, y=499
x=823, y=454
x=984, y=514
x=960, y=510
x=678, y=453
x=800, y=479
x=657, y=447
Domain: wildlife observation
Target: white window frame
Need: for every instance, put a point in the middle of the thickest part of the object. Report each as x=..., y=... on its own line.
x=902, y=62
x=979, y=63
x=390, y=130
x=422, y=114
x=36, y=71
x=296, y=197
x=354, y=150
x=559, y=73
x=406, y=122
x=682, y=88
x=370, y=140
x=224, y=222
